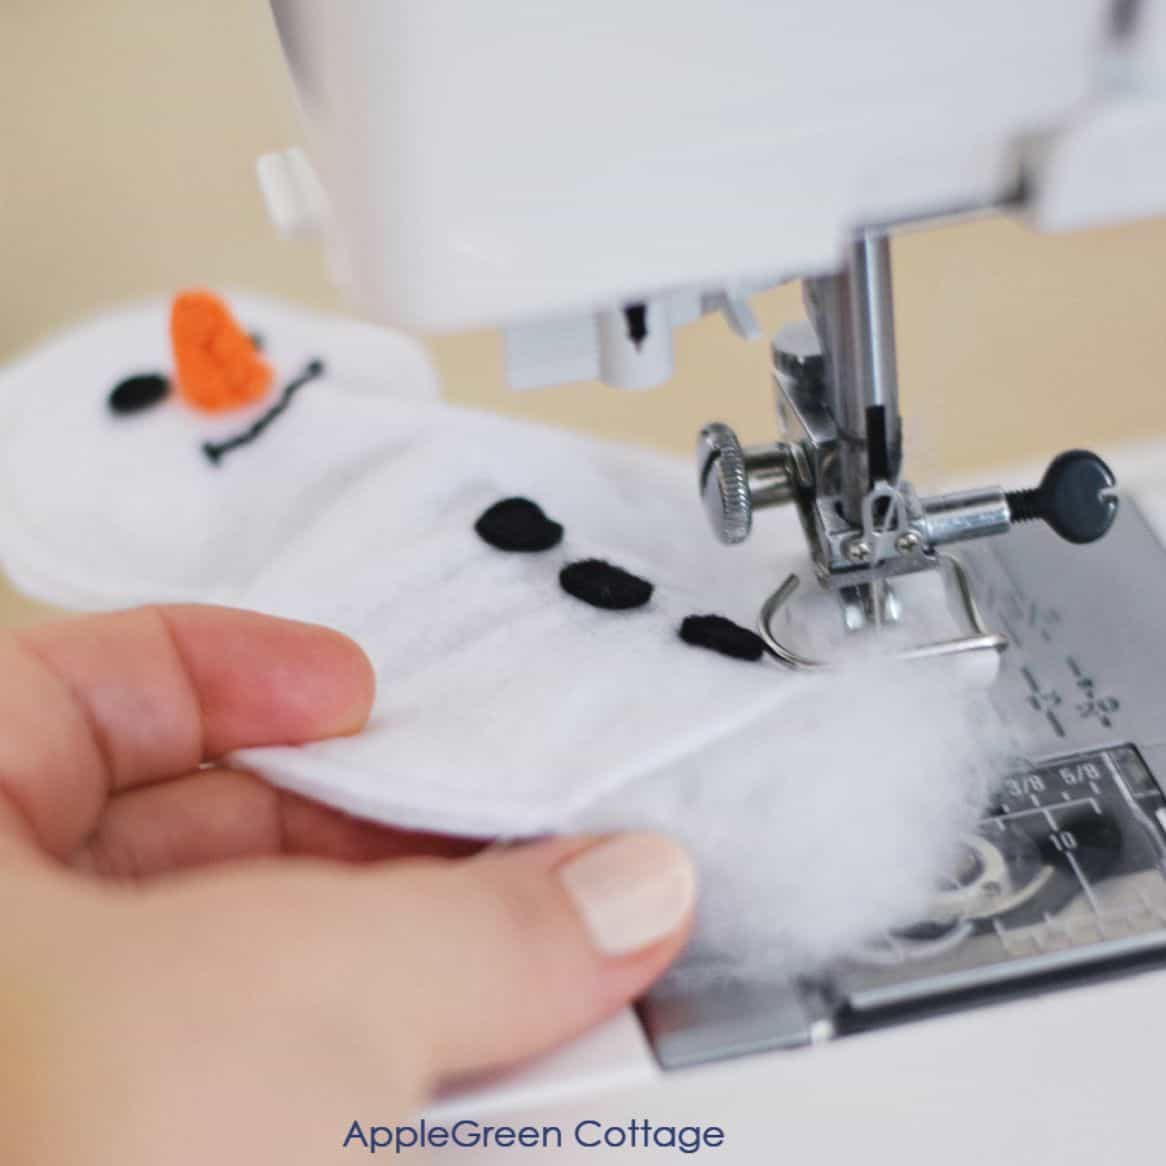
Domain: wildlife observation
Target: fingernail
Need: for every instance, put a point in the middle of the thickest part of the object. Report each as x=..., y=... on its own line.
x=632, y=891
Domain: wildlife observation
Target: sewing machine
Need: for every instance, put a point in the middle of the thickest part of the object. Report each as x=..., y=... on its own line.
x=592, y=179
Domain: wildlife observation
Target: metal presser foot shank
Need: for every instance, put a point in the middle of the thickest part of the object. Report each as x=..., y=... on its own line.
x=839, y=465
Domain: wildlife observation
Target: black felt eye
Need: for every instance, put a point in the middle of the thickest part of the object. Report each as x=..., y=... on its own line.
x=719, y=634
x=518, y=524
x=602, y=585
x=138, y=393
x=256, y=339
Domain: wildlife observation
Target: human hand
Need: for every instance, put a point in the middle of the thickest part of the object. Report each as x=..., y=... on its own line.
x=198, y=967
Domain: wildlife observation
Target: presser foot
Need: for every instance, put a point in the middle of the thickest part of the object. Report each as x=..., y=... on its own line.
x=977, y=639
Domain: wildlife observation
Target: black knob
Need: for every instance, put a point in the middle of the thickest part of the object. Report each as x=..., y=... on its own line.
x=1076, y=497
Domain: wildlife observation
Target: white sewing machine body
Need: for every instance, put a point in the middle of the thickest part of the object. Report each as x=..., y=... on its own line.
x=591, y=183
x=1070, y=1077
x=526, y=165
x=589, y=178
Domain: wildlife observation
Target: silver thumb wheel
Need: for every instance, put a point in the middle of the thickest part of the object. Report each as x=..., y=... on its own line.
x=724, y=483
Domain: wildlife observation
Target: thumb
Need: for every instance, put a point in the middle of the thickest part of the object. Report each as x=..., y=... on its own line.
x=224, y=1002
x=525, y=948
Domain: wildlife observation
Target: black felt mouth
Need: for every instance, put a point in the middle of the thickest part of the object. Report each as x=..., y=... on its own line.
x=215, y=451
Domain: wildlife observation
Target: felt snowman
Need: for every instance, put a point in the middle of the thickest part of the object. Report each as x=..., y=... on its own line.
x=158, y=454
x=558, y=643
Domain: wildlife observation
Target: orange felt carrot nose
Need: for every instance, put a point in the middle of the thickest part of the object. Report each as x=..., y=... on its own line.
x=216, y=363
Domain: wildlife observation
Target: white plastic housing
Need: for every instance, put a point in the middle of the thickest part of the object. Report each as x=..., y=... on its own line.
x=516, y=159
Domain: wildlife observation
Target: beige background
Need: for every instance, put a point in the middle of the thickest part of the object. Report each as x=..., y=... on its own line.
x=130, y=129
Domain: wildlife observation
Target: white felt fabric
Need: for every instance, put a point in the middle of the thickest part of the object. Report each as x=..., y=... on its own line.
x=505, y=705
x=100, y=511
x=505, y=708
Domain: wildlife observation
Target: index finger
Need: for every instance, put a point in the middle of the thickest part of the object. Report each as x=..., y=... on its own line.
x=94, y=705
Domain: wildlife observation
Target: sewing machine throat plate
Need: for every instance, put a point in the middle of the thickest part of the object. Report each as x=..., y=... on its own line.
x=1065, y=877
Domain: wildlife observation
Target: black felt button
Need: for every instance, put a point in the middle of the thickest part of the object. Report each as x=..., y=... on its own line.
x=719, y=634
x=602, y=585
x=137, y=393
x=518, y=524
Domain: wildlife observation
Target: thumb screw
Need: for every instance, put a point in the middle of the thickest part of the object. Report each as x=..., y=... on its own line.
x=1076, y=497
